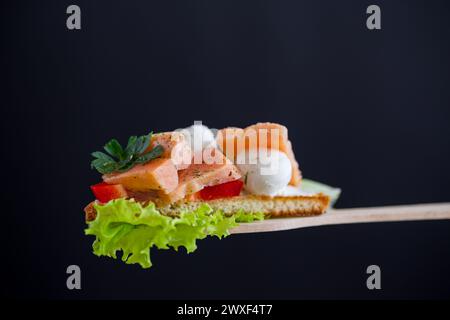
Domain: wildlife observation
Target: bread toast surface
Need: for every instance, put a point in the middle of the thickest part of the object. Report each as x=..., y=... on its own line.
x=277, y=206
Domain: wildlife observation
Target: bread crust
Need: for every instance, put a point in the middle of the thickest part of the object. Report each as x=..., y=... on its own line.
x=278, y=206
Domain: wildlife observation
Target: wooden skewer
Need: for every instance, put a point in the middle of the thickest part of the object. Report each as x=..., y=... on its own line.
x=432, y=211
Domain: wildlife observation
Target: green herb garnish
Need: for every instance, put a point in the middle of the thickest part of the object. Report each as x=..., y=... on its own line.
x=119, y=159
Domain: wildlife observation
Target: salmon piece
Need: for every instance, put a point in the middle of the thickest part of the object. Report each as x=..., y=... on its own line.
x=198, y=176
x=176, y=147
x=275, y=137
x=158, y=174
x=282, y=143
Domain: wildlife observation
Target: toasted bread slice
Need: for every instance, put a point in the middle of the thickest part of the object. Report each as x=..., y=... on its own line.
x=278, y=206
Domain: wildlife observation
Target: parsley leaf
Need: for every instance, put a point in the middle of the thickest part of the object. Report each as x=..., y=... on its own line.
x=119, y=159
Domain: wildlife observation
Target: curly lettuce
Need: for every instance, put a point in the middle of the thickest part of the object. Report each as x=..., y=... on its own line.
x=128, y=227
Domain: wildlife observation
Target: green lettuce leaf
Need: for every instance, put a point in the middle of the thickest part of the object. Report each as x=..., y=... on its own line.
x=317, y=187
x=126, y=226
x=242, y=216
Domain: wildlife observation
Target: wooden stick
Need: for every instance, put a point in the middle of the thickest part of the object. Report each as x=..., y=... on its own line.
x=433, y=211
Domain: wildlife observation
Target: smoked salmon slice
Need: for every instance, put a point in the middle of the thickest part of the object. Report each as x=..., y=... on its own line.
x=176, y=147
x=158, y=174
x=268, y=135
x=198, y=176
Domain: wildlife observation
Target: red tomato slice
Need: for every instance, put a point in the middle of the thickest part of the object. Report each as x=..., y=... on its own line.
x=224, y=190
x=105, y=192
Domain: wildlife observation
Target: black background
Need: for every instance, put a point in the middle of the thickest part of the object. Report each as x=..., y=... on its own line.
x=367, y=111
